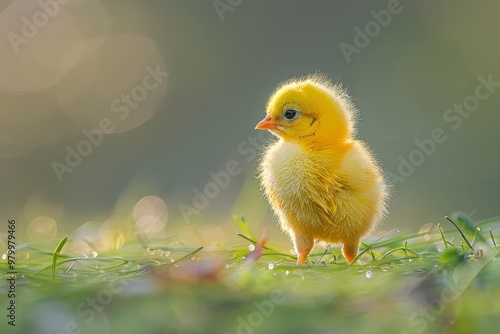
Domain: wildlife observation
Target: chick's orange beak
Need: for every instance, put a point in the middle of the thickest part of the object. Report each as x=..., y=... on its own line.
x=266, y=124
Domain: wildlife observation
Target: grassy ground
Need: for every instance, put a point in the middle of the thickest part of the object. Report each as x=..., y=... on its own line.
x=443, y=280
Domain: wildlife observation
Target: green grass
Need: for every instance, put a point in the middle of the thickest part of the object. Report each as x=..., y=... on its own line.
x=444, y=280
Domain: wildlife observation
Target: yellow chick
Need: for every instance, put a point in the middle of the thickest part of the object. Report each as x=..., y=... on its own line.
x=322, y=183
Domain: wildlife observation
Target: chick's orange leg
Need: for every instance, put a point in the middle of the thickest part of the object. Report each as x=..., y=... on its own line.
x=303, y=245
x=350, y=250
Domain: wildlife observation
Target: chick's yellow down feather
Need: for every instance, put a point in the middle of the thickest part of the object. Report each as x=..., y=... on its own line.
x=322, y=183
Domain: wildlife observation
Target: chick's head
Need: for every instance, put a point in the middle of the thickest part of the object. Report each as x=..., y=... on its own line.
x=310, y=111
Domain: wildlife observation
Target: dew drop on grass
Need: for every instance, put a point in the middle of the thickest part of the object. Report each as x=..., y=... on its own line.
x=251, y=247
x=287, y=272
x=94, y=254
x=270, y=266
x=369, y=274
x=167, y=253
x=85, y=256
x=427, y=237
x=151, y=251
x=4, y=256
x=160, y=252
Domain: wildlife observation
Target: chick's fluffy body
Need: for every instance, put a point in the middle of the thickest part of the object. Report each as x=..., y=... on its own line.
x=321, y=182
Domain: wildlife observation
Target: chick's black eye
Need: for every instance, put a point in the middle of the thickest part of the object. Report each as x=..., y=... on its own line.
x=291, y=114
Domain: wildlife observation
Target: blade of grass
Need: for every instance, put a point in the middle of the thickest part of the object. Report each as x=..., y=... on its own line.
x=243, y=225
x=493, y=239
x=248, y=239
x=463, y=220
x=321, y=257
x=406, y=250
x=462, y=246
x=80, y=260
x=476, y=235
x=369, y=247
x=69, y=268
x=184, y=257
x=116, y=239
x=461, y=233
x=265, y=247
x=56, y=255
x=443, y=236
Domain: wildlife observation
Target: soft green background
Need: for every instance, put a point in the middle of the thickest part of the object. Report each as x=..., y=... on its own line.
x=221, y=73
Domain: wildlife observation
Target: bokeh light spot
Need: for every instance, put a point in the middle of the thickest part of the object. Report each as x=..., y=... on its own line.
x=150, y=214
x=42, y=228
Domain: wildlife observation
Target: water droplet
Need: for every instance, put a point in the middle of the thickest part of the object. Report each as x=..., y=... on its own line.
x=151, y=251
x=227, y=265
x=172, y=260
x=427, y=237
x=160, y=252
x=85, y=256
x=270, y=266
x=94, y=254
x=167, y=253
x=251, y=247
x=369, y=274
x=4, y=256
x=138, y=266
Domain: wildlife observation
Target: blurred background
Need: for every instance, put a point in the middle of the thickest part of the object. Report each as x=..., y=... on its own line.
x=120, y=115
